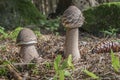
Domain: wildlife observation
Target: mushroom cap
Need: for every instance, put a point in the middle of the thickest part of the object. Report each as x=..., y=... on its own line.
x=26, y=36
x=72, y=18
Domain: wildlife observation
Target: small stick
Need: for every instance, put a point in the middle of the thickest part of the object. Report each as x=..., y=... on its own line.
x=13, y=71
x=17, y=64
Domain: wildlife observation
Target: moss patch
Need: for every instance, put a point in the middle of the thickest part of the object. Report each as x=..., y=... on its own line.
x=28, y=11
x=102, y=17
x=15, y=13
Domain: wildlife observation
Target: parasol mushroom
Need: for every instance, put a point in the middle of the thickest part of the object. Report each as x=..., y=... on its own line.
x=26, y=39
x=72, y=19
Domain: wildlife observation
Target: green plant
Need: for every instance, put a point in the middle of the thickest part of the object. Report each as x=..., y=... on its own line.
x=110, y=32
x=34, y=68
x=101, y=17
x=19, y=13
x=61, y=67
x=3, y=70
x=14, y=33
x=3, y=48
x=48, y=65
x=115, y=62
x=51, y=25
x=3, y=34
x=38, y=34
x=92, y=75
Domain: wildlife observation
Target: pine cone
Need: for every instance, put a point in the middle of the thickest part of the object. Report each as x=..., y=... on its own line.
x=106, y=46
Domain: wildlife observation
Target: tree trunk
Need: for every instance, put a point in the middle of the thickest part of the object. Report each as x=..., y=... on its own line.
x=62, y=6
x=103, y=1
x=92, y=3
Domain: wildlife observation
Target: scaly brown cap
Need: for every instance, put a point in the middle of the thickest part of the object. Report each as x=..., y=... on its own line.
x=26, y=36
x=72, y=18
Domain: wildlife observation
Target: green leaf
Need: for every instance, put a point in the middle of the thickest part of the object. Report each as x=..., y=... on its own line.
x=70, y=64
x=6, y=62
x=92, y=75
x=57, y=62
x=61, y=75
x=115, y=61
x=3, y=71
x=2, y=31
x=55, y=77
x=15, y=32
x=67, y=73
x=56, y=24
x=48, y=65
x=42, y=22
x=107, y=32
x=64, y=65
x=61, y=66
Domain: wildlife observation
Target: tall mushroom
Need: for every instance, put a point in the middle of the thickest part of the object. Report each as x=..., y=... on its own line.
x=26, y=39
x=72, y=19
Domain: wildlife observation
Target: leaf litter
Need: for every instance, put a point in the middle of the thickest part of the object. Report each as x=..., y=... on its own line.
x=49, y=46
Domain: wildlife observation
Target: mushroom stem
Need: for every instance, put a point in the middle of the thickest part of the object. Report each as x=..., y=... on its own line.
x=71, y=43
x=28, y=52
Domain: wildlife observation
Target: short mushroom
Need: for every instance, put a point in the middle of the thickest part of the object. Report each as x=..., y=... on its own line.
x=72, y=19
x=26, y=39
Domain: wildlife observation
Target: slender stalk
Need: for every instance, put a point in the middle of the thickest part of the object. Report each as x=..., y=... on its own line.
x=71, y=43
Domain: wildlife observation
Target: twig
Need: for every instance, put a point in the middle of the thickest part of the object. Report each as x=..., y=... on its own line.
x=17, y=64
x=13, y=71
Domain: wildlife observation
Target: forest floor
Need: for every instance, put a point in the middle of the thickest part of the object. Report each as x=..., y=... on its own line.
x=49, y=46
